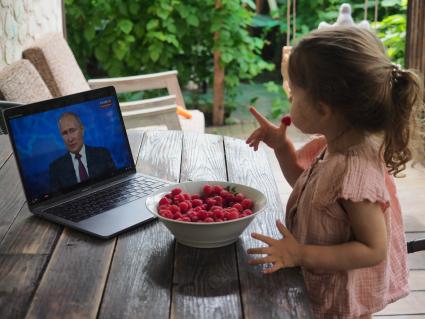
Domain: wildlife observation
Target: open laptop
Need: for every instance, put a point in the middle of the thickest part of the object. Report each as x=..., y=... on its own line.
x=75, y=163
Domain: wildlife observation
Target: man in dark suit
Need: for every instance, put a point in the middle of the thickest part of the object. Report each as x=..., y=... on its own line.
x=81, y=162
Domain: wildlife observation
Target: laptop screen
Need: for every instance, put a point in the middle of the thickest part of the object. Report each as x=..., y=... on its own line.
x=67, y=143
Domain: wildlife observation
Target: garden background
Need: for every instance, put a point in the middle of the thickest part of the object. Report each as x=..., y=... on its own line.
x=122, y=38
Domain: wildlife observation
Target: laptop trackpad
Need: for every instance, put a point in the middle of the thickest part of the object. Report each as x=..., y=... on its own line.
x=115, y=220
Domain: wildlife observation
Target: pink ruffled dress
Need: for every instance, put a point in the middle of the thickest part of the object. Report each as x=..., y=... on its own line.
x=314, y=216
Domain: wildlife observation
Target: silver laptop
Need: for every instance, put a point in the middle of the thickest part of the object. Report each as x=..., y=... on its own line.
x=75, y=163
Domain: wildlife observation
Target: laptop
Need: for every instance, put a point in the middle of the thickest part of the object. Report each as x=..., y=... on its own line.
x=75, y=163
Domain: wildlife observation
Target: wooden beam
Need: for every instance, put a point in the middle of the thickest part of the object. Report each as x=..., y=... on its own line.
x=218, y=103
x=415, y=43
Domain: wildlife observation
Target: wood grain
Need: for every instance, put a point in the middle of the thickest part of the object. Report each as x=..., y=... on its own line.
x=11, y=195
x=141, y=272
x=30, y=235
x=205, y=283
x=283, y=293
x=19, y=275
x=73, y=282
x=83, y=264
x=5, y=149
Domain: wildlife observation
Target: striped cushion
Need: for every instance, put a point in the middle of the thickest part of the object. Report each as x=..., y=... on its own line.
x=20, y=82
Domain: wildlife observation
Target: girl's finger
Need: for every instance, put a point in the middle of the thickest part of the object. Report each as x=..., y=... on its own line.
x=257, y=134
x=265, y=239
x=258, y=250
x=282, y=229
x=259, y=117
x=263, y=260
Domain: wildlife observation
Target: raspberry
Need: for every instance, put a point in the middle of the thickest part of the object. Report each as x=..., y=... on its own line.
x=239, y=197
x=246, y=203
x=208, y=220
x=218, y=200
x=176, y=191
x=164, y=201
x=217, y=189
x=184, y=207
x=247, y=212
x=202, y=214
x=231, y=215
x=286, y=120
x=238, y=206
x=196, y=202
x=178, y=215
x=225, y=194
x=218, y=214
x=186, y=196
x=174, y=209
x=210, y=202
x=178, y=198
x=207, y=189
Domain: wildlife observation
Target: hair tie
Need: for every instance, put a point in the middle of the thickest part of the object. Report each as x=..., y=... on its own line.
x=396, y=73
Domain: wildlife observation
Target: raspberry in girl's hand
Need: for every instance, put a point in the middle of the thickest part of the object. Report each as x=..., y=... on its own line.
x=286, y=120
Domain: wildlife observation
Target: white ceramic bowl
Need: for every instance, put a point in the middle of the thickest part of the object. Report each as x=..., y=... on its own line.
x=207, y=235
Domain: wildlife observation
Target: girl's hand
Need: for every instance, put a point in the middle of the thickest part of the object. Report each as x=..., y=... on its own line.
x=274, y=136
x=281, y=253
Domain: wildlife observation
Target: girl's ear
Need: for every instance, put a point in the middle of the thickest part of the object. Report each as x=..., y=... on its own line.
x=325, y=110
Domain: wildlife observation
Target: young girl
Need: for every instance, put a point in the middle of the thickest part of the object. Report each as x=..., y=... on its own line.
x=344, y=225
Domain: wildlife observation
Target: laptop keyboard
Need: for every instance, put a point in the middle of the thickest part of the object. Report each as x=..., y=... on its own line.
x=101, y=201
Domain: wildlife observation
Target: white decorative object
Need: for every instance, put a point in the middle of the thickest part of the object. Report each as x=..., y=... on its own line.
x=207, y=235
x=345, y=19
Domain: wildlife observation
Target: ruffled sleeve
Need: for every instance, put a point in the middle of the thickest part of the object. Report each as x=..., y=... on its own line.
x=354, y=176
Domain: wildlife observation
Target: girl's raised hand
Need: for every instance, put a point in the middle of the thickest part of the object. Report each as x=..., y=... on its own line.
x=281, y=253
x=274, y=136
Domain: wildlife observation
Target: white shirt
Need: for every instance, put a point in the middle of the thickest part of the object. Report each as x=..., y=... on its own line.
x=76, y=164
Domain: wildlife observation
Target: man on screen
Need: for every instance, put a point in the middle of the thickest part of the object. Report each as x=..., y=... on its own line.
x=82, y=161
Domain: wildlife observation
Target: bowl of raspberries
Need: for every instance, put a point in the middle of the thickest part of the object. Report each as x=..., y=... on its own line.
x=206, y=214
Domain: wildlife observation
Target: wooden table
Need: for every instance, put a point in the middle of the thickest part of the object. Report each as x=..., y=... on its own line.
x=48, y=271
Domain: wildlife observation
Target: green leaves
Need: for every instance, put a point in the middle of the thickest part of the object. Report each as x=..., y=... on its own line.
x=125, y=25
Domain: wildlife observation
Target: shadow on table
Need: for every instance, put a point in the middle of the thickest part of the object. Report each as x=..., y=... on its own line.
x=207, y=272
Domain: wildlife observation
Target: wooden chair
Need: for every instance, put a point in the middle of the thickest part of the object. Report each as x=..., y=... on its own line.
x=57, y=66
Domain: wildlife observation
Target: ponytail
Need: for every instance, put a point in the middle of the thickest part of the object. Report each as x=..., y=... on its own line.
x=407, y=99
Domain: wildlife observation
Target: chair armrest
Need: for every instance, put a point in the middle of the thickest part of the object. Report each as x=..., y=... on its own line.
x=148, y=103
x=152, y=116
x=153, y=81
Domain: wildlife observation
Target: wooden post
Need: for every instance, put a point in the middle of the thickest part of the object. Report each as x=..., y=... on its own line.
x=415, y=44
x=65, y=35
x=218, y=104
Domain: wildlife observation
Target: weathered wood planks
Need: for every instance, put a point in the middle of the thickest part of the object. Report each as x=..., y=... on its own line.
x=205, y=282
x=281, y=294
x=141, y=273
x=49, y=273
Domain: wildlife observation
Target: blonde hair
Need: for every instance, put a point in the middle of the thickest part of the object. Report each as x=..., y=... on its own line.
x=347, y=68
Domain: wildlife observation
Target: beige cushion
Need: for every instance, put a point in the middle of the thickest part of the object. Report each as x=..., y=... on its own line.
x=20, y=82
x=195, y=124
x=56, y=64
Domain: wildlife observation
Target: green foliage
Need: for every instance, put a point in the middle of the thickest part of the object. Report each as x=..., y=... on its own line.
x=392, y=31
x=390, y=28
x=121, y=38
